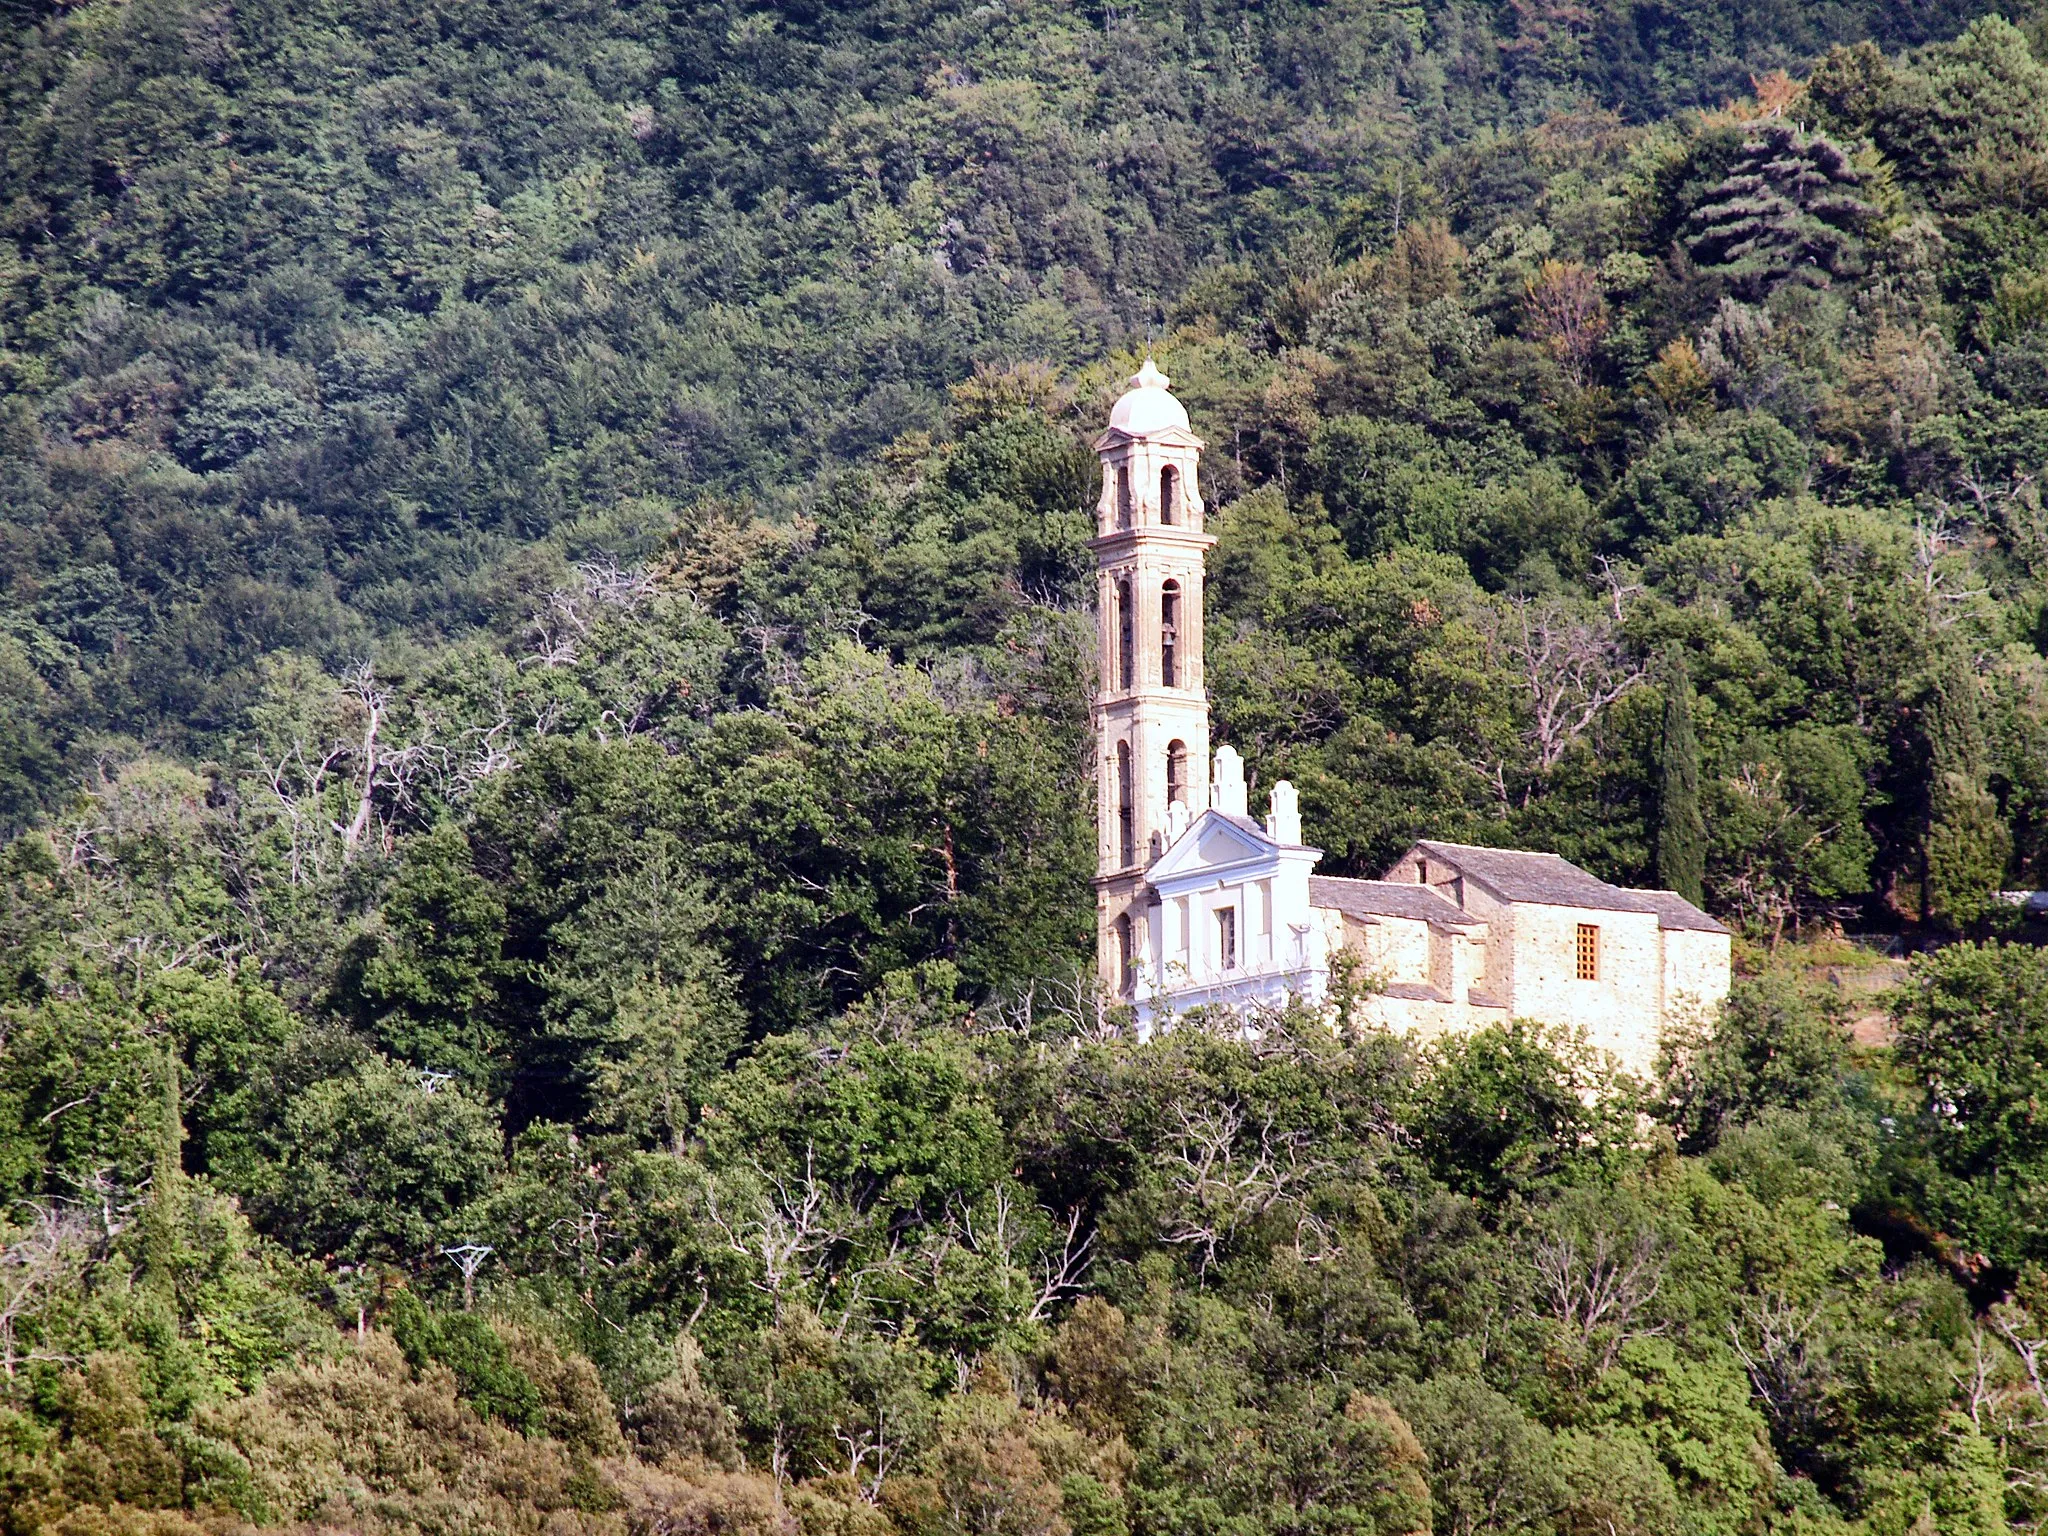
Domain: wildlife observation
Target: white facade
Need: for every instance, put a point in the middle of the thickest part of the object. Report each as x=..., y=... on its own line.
x=1228, y=918
x=1197, y=904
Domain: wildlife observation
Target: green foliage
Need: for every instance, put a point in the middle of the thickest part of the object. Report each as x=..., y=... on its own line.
x=1970, y=1022
x=1968, y=842
x=1695, y=481
x=1781, y=1045
x=468, y=1346
x=425, y=988
x=1387, y=484
x=1967, y=848
x=543, y=693
x=378, y=1163
x=84, y=1075
x=1488, y=1464
x=1503, y=1115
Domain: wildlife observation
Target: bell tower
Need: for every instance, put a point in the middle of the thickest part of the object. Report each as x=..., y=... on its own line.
x=1151, y=708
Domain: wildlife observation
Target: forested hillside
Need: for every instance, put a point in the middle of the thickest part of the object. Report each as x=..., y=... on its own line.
x=544, y=653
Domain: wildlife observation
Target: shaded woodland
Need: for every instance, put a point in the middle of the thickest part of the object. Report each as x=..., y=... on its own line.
x=544, y=653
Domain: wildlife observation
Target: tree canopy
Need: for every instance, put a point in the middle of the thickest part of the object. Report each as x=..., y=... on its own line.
x=544, y=674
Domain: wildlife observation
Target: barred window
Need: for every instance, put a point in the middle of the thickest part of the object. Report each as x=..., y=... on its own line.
x=1226, y=938
x=1589, y=952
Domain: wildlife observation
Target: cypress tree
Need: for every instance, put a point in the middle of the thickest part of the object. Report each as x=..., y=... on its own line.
x=1681, y=829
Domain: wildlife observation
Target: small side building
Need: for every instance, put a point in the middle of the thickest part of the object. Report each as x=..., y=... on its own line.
x=1566, y=947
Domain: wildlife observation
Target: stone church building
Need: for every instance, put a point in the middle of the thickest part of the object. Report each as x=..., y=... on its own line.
x=1198, y=902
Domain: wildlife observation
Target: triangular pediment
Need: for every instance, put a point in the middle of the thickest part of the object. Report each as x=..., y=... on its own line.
x=1212, y=841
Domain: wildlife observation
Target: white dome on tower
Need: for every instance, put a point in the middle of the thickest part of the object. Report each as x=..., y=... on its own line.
x=1146, y=406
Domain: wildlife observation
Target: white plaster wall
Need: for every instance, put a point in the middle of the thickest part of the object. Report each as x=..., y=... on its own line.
x=1503, y=959
x=1275, y=962
x=1622, y=1011
x=1696, y=970
x=1266, y=940
x=1393, y=949
x=1189, y=940
x=1425, y=1021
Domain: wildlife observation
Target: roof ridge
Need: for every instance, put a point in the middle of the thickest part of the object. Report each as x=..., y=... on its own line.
x=1523, y=853
x=1536, y=876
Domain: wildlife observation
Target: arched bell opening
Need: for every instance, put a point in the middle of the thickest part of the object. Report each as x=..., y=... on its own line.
x=1126, y=813
x=1127, y=637
x=1169, y=635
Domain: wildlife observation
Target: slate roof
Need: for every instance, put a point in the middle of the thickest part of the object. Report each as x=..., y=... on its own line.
x=1674, y=911
x=1384, y=898
x=1548, y=880
x=1515, y=875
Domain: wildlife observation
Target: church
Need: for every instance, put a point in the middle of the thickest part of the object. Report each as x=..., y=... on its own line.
x=1200, y=903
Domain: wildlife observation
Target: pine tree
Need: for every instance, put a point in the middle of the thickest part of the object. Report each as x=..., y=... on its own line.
x=1681, y=829
x=1789, y=210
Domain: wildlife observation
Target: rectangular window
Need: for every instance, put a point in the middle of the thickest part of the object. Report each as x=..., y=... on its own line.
x=1226, y=938
x=1589, y=952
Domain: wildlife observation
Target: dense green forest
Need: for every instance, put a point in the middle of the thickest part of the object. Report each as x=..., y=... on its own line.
x=544, y=655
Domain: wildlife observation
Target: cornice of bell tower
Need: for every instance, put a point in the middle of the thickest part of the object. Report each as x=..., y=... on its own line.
x=1120, y=541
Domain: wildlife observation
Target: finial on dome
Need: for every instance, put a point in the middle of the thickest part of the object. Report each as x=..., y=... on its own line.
x=1147, y=406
